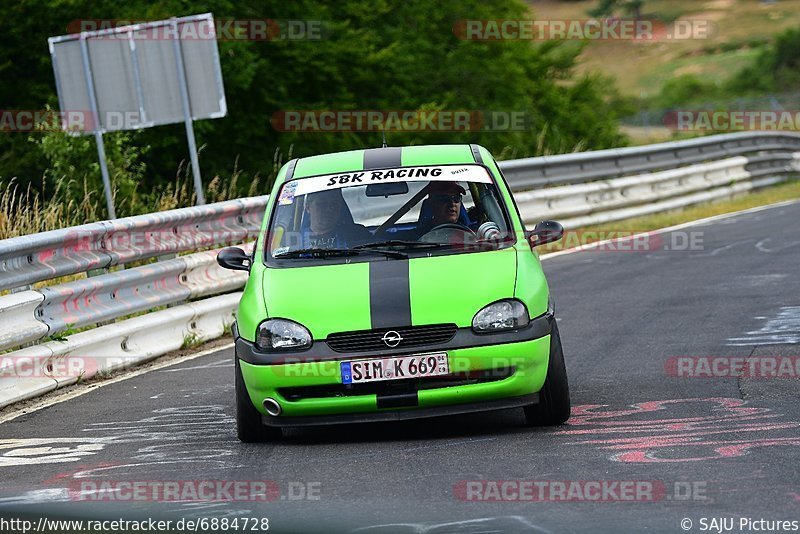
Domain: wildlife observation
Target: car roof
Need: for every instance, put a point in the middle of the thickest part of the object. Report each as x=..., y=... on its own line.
x=382, y=158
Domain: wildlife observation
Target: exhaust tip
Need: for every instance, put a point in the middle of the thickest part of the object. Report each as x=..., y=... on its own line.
x=272, y=407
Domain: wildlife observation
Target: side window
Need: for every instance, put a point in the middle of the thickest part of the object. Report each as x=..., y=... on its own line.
x=285, y=228
x=513, y=205
x=488, y=209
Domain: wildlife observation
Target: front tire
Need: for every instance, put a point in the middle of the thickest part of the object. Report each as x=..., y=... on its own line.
x=554, y=404
x=249, y=428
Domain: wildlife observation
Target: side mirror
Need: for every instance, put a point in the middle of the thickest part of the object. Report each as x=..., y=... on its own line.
x=545, y=232
x=234, y=258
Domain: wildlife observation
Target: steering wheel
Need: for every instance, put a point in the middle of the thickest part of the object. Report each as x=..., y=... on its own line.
x=442, y=232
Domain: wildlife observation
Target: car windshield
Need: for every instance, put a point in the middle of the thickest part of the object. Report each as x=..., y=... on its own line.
x=389, y=213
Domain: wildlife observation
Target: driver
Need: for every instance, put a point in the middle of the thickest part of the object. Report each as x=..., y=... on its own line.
x=444, y=200
x=330, y=223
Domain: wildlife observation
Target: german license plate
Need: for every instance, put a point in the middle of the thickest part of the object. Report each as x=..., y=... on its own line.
x=396, y=368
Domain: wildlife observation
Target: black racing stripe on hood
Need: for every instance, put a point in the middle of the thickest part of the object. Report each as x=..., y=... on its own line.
x=382, y=158
x=389, y=294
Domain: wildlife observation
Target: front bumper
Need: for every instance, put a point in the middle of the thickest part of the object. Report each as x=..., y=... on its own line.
x=401, y=415
x=498, y=371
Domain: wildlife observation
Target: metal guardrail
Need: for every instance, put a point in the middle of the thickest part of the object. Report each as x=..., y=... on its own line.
x=48, y=311
x=610, y=185
x=525, y=174
x=579, y=189
x=28, y=259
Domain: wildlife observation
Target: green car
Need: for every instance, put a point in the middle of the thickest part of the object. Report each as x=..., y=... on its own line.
x=394, y=283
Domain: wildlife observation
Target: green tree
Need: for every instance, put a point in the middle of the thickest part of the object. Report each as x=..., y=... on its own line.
x=374, y=55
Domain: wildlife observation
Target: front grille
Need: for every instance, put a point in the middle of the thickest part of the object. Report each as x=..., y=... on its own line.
x=390, y=387
x=413, y=336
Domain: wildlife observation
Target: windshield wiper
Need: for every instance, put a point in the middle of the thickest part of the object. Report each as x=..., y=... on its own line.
x=397, y=243
x=427, y=245
x=330, y=252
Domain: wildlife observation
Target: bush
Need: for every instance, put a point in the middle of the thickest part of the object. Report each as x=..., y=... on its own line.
x=776, y=70
x=685, y=89
x=74, y=166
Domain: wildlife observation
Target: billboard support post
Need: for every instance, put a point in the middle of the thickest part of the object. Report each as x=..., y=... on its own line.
x=98, y=132
x=187, y=116
x=137, y=76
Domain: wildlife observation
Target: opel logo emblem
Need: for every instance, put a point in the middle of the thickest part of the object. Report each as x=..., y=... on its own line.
x=392, y=338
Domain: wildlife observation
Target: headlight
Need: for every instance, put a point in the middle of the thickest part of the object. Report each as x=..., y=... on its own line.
x=277, y=334
x=499, y=316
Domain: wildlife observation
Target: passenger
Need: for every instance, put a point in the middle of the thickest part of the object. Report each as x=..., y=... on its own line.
x=330, y=223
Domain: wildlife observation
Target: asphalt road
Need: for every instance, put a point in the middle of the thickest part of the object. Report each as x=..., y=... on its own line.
x=699, y=447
